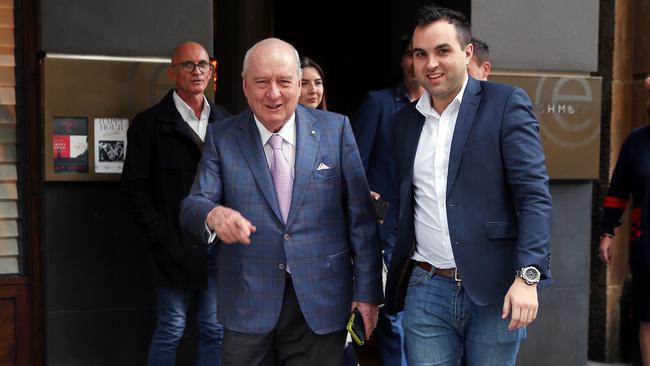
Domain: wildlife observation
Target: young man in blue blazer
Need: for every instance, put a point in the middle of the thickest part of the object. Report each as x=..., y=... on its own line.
x=474, y=209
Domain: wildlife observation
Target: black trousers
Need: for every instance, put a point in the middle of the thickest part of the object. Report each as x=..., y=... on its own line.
x=290, y=343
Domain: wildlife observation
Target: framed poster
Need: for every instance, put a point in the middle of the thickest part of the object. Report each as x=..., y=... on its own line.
x=70, y=145
x=110, y=144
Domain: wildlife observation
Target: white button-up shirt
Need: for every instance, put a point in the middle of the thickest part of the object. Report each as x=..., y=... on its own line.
x=199, y=125
x=430, y=170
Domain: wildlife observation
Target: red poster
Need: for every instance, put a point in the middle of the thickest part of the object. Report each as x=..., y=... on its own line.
x=70, y=144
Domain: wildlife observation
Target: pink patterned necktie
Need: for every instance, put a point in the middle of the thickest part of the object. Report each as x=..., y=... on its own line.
x=281, y=173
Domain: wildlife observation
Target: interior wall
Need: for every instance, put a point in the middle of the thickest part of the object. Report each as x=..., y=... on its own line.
x=123, y=27
x=539, y=35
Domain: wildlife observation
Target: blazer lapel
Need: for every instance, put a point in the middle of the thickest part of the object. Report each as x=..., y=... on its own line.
x=464, y=122
x=400, y=98
x=308, y=132
x=174, y=123
x=411, y=139
x=253, y=152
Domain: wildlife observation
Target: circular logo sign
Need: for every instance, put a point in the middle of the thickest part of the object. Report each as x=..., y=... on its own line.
x=566, y=111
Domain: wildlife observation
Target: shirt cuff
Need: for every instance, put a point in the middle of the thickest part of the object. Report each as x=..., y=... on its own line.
x=210, y=234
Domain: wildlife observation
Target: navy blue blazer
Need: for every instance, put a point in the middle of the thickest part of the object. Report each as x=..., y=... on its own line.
x=498, y=201
x=330, y=240
x=371, y=127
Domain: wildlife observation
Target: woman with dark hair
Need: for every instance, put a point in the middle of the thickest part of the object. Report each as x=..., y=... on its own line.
x=312, y=94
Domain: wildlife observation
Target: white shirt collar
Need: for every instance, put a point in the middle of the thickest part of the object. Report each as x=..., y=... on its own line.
x=287, y=132
x=426, y=109
x=187, y=113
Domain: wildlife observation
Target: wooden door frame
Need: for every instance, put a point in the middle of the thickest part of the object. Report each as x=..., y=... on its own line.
x=26, y=289
x=14, y=290
x=32, y=224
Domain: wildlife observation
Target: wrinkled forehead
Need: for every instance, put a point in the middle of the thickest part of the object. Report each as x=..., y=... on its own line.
x=273, y=61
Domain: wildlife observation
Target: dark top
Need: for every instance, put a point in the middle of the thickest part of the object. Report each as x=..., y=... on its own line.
x=371, y=127
x=631, y=178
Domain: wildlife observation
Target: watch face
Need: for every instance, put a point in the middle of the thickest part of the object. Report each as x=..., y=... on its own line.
x=531, y=274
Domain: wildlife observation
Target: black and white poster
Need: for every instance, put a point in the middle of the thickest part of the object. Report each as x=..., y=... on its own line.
x=110, y=144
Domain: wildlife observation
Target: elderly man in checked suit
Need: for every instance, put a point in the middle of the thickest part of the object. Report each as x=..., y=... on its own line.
x=283, y=190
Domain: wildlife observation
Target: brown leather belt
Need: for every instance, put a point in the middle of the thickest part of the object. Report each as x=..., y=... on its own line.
x=447, y=272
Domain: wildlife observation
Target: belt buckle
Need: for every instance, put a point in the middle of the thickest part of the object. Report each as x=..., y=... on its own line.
x=456, y=275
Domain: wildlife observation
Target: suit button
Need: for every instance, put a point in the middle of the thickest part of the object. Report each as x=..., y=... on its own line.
x=194, y=246
x=281, y=266
x=457, y=243
x=452, y=204
x=285, y=236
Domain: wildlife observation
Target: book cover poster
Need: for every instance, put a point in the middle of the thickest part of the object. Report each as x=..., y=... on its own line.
x=110, y=144
x=70, y=144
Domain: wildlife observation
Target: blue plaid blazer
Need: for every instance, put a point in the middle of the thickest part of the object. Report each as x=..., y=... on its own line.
x=330, y=240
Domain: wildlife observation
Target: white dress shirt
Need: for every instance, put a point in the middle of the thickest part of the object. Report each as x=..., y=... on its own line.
x=430, y=170
x=199, y=125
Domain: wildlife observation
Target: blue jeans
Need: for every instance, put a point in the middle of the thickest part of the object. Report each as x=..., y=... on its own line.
x=389, y=332
x=442, y=326
x=390, y=339
x=171, y=320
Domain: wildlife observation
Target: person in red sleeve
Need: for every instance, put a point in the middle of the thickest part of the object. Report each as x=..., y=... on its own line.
x=632, y=178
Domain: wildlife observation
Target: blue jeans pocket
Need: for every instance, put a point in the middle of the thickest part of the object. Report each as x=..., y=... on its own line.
x=418, y=276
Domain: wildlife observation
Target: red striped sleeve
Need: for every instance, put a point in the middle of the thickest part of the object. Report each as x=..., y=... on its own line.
x=615, y=202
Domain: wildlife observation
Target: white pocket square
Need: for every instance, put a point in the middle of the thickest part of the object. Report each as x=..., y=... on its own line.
x=323, y=166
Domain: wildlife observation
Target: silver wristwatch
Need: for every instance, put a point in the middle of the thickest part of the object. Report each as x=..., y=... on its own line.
x=530, y=275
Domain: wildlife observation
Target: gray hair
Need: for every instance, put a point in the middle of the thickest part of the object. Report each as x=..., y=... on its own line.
x=296, y=56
